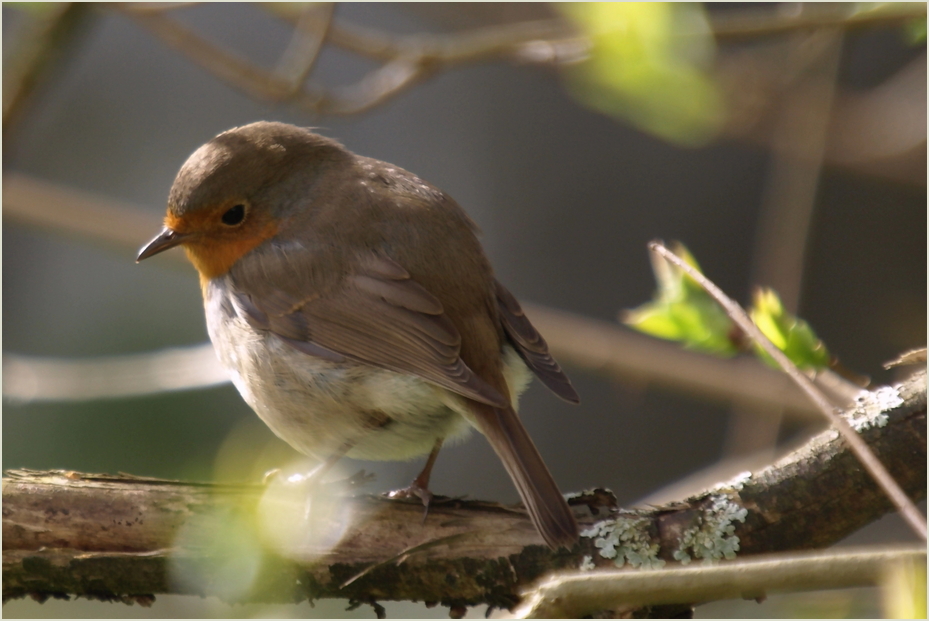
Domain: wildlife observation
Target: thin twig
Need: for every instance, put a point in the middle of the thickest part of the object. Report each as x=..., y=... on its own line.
x=799, y=147
x=910, y=513
x=499, y=40
x=255, y=81
x=76, y=213
x=161, y=7
x=310, y=34
x=409, y=64
x=578, y=595
x=789, y=197
x=414, y=58
x=31, y=378
x=754, y=23
x=225, y=65
x=36, y=48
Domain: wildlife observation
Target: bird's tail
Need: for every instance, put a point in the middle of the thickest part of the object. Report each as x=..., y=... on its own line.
x=538, y=490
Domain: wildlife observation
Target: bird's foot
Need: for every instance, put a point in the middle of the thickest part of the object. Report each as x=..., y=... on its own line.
x=414, y=490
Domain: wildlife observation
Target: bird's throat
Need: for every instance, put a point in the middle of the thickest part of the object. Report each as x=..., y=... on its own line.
x=213, y=258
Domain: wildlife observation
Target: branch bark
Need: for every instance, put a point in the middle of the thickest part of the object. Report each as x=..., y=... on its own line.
x=126, y=538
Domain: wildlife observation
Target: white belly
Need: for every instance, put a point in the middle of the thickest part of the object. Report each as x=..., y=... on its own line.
x=318, y=406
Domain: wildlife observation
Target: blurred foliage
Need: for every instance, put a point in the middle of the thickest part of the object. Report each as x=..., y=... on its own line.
x=682, y=311
x=915, y=31
x=904, y=592
x=647, y=65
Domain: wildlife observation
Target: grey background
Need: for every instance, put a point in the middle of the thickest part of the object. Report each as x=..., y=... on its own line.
x=566, y=198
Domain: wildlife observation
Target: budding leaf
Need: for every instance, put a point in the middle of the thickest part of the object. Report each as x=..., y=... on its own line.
x=790, y=334
x=682, y=311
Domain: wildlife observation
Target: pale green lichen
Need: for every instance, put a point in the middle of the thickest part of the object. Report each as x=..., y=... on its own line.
x=713, y=538
x=588, y=492
x=625, y=540
x=871, y=405
x=587, y=563
x=734, y=484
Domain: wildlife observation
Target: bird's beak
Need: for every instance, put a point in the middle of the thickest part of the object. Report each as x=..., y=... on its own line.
x=168, y=238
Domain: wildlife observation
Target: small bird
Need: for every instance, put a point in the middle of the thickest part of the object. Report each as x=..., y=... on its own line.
x=355, y=309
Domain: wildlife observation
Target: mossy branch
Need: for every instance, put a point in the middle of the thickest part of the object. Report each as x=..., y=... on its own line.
x=126, y=538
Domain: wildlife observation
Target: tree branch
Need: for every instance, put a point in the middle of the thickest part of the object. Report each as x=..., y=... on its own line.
x=121, y=537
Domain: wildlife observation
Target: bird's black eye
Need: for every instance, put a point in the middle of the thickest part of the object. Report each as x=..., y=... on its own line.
x=234, y=215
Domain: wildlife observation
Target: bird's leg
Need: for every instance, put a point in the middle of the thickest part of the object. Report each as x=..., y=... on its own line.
x=314, y=476
x=420, y=485
x=312, y=480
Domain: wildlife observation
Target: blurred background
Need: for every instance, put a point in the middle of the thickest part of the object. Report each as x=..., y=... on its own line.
x=784, y=144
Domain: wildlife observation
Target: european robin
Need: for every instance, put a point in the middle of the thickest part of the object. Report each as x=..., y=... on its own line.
x=355, y=309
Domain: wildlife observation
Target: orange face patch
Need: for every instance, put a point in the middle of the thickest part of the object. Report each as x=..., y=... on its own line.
x=197, y=221
x=213, y=247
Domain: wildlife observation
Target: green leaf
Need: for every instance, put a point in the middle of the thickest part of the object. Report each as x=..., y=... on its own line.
x=914, y=31
x=682, y=311
x=790, y=334
x=646, y=66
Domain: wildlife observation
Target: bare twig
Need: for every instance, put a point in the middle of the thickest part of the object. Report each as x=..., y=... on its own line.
x=913, y=356
x=72, y=212
x=34, y=51
x=310, y=33
x=754, y=23
x=909, y=511
x=578, y=595
x=884, y=122
x=480, y=44
x=29, y=378
x=798, y=150
x=413, y=61
x=160, y=7
x=225, y=65
x=373, y=89
x=789, y=198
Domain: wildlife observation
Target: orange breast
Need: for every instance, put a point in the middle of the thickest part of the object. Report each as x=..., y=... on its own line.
x=214, y=254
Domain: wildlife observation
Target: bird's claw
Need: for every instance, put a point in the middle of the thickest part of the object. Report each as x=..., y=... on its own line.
x=413, y=491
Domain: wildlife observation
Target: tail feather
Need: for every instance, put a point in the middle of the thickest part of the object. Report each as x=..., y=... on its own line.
x=539, y=492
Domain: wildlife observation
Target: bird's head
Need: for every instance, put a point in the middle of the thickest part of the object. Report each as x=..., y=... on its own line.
x=236, y=191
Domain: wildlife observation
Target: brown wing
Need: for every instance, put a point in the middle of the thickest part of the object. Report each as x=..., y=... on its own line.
x=531, y=347
x=377, y=315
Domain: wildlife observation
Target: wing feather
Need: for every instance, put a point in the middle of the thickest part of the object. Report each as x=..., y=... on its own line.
x=377, y=315
x=531, y=347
